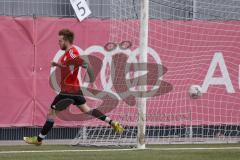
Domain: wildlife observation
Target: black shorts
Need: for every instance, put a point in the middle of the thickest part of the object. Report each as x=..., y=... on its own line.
x=78, y=98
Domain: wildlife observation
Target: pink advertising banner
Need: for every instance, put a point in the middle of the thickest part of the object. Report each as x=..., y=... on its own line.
x=193, y=52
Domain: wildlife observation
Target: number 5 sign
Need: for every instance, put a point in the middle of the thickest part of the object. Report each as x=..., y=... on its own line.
x=81, y=9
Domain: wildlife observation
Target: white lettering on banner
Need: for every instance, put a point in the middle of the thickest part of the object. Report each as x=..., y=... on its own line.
x=81, y=9
x=224, y=80
x=107, y=85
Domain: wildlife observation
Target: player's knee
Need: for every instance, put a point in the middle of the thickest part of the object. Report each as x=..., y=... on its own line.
x=51, y=115
x=51, y=118
x=84, y=108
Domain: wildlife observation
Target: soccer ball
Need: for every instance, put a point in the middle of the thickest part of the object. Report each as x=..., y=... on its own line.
x=195, y=91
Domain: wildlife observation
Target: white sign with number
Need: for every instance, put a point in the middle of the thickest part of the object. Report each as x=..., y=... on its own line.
x=81, y=9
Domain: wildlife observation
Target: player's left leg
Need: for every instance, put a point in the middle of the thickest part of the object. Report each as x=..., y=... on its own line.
x=37, y=140
x=52, y=113
x=98, y=114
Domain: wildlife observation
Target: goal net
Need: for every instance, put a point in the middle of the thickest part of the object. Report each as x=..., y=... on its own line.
x=190, y=42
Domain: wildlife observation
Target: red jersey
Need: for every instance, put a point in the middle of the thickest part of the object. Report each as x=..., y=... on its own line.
x=69, y=74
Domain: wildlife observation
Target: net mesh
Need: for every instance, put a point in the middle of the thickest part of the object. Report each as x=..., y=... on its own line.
x=193, y=40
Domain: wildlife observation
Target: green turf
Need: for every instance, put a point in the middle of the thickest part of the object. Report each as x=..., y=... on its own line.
x=220, y=154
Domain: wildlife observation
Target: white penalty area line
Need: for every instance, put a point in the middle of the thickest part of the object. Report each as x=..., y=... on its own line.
x=66, y=150
x=197, y=148
x=114, y=150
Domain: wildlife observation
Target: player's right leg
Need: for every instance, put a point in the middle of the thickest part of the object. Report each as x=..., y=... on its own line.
x=80, y=102
x=98, y=114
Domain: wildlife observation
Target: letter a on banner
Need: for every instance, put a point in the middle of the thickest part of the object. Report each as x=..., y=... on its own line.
x=81, y=9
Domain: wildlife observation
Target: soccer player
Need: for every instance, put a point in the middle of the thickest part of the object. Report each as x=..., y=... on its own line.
x=69, y=66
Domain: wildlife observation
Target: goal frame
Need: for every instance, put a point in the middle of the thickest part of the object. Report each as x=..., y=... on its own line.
x=141, y=101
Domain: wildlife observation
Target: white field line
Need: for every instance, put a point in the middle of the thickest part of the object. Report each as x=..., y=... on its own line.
x=113, y=150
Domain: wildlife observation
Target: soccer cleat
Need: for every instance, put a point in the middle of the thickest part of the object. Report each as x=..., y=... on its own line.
x=32, y=140
x=117, y=127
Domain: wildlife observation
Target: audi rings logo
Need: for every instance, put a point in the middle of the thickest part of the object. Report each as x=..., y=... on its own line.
x=119, y=75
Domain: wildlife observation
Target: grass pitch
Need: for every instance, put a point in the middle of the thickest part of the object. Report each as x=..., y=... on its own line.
x=153, y=152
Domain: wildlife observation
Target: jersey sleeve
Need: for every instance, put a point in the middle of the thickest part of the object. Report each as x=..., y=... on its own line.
x=74, y=58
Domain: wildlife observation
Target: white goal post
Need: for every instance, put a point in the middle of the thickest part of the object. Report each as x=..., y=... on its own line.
x=143, y=49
